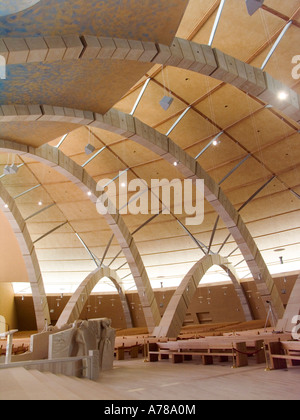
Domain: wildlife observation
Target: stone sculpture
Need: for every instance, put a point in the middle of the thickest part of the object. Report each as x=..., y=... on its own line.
x=81, y=337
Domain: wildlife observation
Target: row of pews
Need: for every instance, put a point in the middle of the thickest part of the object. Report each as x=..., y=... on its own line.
x=276, y=350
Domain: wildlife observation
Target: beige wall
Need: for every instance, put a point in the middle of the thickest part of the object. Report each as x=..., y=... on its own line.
x=7, y=305
x=10, y=255
x=211, y=304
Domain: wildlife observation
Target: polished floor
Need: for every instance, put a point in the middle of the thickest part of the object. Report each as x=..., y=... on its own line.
x=193, y=381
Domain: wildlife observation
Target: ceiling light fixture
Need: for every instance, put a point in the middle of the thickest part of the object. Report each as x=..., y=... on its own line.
x=89, y=149
x=216, y=142
x=166, y=102
x=253, y=6
x=40, y=203
x=10, y=169
x=282, y=95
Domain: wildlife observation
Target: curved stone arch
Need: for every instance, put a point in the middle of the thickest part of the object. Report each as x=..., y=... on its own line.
x=292, y=310
x=182, y=53
x=130, y=127
x=74, y=307
x=175, y=314
x=21, y=233
x=54, y=157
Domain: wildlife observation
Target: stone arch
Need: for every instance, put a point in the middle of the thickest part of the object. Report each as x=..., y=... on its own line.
x=174, y=316
x=292, y=310
x=182, y=53
x=21, y=233
x=130, y=127
x=77, y=302
x=53, y=157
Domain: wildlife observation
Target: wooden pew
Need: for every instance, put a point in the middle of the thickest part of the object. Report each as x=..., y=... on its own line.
x=133, y=352
x=184, y=350
x=284, y=354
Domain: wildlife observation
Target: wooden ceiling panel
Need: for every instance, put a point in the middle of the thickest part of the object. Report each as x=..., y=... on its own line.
x=186, y=84
x=280, y=223
x=158, y=170
x=195, y=13
x=282, y=155
x=278, y=240
x=263, y=128
x=248, y=173
x=239, y=195
x=62, y=254
x=68, y=266
x=66, y=192
x=197, y=128
x=227, y=106
x=90, y=225
x=239, y=34
x=226, y=155
x=287, y=8
x=280, y=203
x=149, y=109
x=280, y=65
x=133, y=154
x=59, y=240
x=291, y=177
x=52, y=214
x=45, y=174
x=78, y=210
x=105, y=163
x=36, y=230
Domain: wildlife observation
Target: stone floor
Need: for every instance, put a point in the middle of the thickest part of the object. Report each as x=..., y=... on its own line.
x=193, y=381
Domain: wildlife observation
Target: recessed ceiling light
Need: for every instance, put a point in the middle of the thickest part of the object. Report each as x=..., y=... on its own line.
x=40, y=203
x=216, y=142
x=6, y=206
x=282, y=95
x=89, y=193
x=123, y=185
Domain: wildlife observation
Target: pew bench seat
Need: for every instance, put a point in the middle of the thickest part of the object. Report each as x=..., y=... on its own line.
x=284, y=354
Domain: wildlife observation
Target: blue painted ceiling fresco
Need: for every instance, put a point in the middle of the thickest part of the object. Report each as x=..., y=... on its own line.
x=94, y=85
x=148, y=20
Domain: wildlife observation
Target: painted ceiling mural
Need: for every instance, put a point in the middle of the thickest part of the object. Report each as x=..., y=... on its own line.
x=157, y=19
x=102, y=83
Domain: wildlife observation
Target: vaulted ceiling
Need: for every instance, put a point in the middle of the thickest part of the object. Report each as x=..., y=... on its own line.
x=258, y=148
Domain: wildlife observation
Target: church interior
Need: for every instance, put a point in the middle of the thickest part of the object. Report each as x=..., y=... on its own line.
x=149, y=200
